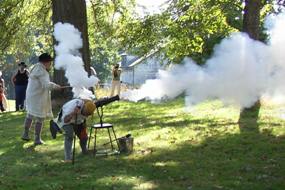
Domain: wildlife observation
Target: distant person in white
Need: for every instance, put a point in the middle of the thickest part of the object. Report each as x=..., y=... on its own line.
x=116, y=80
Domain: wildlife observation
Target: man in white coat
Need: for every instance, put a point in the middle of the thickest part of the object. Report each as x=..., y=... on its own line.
x=38, y=97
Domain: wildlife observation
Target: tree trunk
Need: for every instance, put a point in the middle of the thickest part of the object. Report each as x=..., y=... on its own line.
x=251, y=25
x=251, y=18
x=73, y=12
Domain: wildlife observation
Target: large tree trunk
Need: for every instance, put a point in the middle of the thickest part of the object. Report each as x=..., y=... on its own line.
x=251, y=25
x=73, y=12
x=251, y=18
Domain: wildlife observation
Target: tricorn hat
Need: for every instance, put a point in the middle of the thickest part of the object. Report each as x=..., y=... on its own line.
x=45, y=57
x=22, y=64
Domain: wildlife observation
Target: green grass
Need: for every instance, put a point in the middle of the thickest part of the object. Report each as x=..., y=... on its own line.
x=202, y=149
x=11, y=105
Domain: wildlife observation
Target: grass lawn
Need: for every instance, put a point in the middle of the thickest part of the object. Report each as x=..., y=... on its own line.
x=205, y=148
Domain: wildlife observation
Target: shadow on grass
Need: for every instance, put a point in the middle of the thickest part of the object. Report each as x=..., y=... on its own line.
x=252, y=159
x=248, y=119
x=248, y=160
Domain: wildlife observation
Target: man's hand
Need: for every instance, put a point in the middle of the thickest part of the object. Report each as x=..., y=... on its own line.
x=57, y=87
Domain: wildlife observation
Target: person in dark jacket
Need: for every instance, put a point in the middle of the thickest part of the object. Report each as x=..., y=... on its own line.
x=20, y=82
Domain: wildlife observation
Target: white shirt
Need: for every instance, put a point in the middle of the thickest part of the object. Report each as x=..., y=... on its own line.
x=68, y=108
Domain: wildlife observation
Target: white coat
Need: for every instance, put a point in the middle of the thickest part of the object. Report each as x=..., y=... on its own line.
x=38, y=95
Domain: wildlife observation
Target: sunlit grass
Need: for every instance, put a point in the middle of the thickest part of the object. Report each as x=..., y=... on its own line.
x=201, y=149
x=10, y=106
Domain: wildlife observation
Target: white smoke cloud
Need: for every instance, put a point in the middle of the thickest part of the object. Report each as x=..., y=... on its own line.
x=240, y=71
x=69, y=58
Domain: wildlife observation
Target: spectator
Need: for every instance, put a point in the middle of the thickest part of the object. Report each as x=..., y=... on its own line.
x=3, y=101
x=2, y=82
x=20, y=82
x=116, y=82
x=2, y=108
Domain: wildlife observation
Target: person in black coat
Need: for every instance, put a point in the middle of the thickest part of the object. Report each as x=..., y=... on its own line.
x=20, y=82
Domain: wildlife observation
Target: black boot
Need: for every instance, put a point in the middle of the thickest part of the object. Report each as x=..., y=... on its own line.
x=54, y=129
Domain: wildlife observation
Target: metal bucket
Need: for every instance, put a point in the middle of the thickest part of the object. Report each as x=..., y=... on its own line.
x=126, y=144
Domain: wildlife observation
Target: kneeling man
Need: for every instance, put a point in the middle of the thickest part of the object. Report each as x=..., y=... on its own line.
x=72, y=119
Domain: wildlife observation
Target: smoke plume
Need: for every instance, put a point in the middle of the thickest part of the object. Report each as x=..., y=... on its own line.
x=239, y=72
x=69, y=59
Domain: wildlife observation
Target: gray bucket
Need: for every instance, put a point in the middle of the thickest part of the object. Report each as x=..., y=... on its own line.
x=126, y=144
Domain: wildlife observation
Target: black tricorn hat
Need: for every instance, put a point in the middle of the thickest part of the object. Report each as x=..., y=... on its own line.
x=22, y=64
x=45, y=57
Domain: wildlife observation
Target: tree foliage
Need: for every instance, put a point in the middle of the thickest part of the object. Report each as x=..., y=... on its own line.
x=26, y=29
x=186, y=28
x=107, y=20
